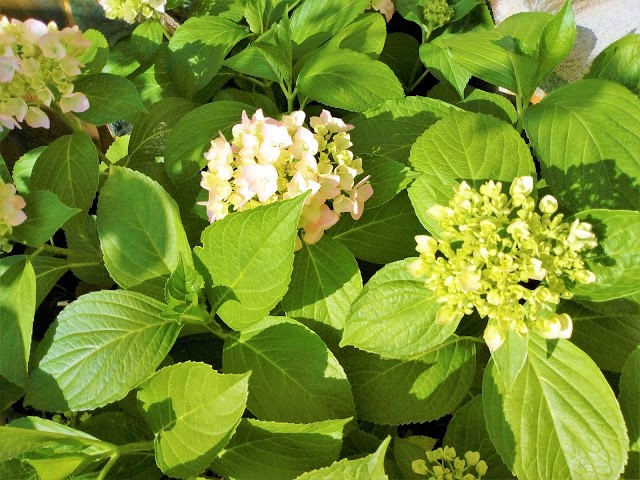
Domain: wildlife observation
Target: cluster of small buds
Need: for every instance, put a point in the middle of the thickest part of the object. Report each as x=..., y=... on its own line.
x=270, y=160
x=38, y=64
x=499, y=255
x=11, y=214
x=445, y=465
x=437, y=13
x=133, y=10
x=385, y=7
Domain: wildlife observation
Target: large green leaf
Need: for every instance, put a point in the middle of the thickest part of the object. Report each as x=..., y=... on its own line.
x=349, y=80
x=388, y=179
x=198, y=48
x=400, y=52
x=597, y=326
x=370, y=467
x=140, y=232
x=192, y=136
x=400, y=121
x=394, y=392
x=618, y=62
x=630, y=397
x=300, y=380
x=616, y=259
x=17, y=307
x=279, y=451
x=560, y=418
x=316, y=22
x=111, y=97
x=438, y=58
x=146, y=39
x=100, y=347
x=248, y=259
x=68, y=167
x=149, y=134
x=394, y=316
x=85, y=254
x=324, y=282
x=45, y=215
x=557, y=38
x=193, y=411
x=464, y=146
x=382, y=235
x=22, y=169
x=365, y=35
x=587, y=138
x=467, y=431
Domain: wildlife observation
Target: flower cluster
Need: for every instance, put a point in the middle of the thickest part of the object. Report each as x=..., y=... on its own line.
x=445, y=465
x=38, y=64
x=437, y=13
x=270, y=160
x=385, y=7
x=132, y=10
x=499, y=255
x=11, y=214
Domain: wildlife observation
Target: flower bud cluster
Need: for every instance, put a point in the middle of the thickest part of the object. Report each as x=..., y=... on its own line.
x=38, y=64
x=437, y=13
x=11, y=214
x=132, y=10
x=385, y=7
x=270, y=160
x=444, y=464
x=500, y=256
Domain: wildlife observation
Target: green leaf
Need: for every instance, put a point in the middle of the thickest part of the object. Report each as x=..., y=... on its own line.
x=630, y=397
x=587, y=137
x=68, y=167
x=560, y=418
x=616, y=259
x=324, y=282
x=597, y=326
x=494, y=104
x=140, y=232
x=111, y=98
x=348, y=80
x=150, y=133
x=85, y=255
x=146, y=40
x=95, y=57
x=193, y=411
x=117, y=151
x=408, y=449
x=231, y=9
x=17, y=307
x=192, y=136
x=365, y=35
x=23, y=168
x=370, y=467
x=184, y=285
x=260, y=14
x=467, y=432
x=395, y=317
x=243, y=250
x=464, y=146
x=279, y=451
x=395, y=392
x=122, y=59
x=382, y=235
x=45, y=215
x=313, y=23
x=440, y=61
x=388, y=179
x=198, y=48
x=402, y=122
x=557, y=39
x=84, y=359
x=16, y=469
x=511, y=356
x=300, y=380
x=154, y=83
x=400, y=52
x=256, y=100
x=618, y=62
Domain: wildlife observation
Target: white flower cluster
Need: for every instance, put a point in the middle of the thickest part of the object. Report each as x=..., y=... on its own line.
x=270, y=160
x=38, y=64
x=501, y=257
x=11, y=214
x=132, y=10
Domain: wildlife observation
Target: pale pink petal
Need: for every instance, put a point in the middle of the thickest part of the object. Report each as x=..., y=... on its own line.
x=36, y=118
x=74, y=102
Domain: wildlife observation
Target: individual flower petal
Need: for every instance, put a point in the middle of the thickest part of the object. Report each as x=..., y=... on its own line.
x=74, y=102
x=36, y=118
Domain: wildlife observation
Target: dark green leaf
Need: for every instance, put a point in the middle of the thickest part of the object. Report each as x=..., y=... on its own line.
x=110, y=98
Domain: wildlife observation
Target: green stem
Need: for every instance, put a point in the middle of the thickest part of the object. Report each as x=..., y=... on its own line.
x=260, y=83
x=135, y=447
x=112, y=461
x=445, y=344
x=217, y=330
x=62, y=251
x=417, y=82
x=519, y=111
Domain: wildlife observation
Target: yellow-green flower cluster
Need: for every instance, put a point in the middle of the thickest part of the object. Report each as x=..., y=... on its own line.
x=444, y=464
x=132, y=10
x=437, y=13
x=498, y=255
x=11, y=214
x=38, y=64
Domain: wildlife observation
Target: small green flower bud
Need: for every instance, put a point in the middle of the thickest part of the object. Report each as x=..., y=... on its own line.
x=472, y=458
x=481, y=467
x=420, y=467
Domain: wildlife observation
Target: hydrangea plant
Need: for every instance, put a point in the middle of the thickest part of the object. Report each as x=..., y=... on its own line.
x=327, y=247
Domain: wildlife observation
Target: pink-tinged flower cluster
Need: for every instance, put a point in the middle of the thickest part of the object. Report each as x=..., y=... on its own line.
x=385, y=7
x=38, y=64
x=11, y=214
x=270, y=160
